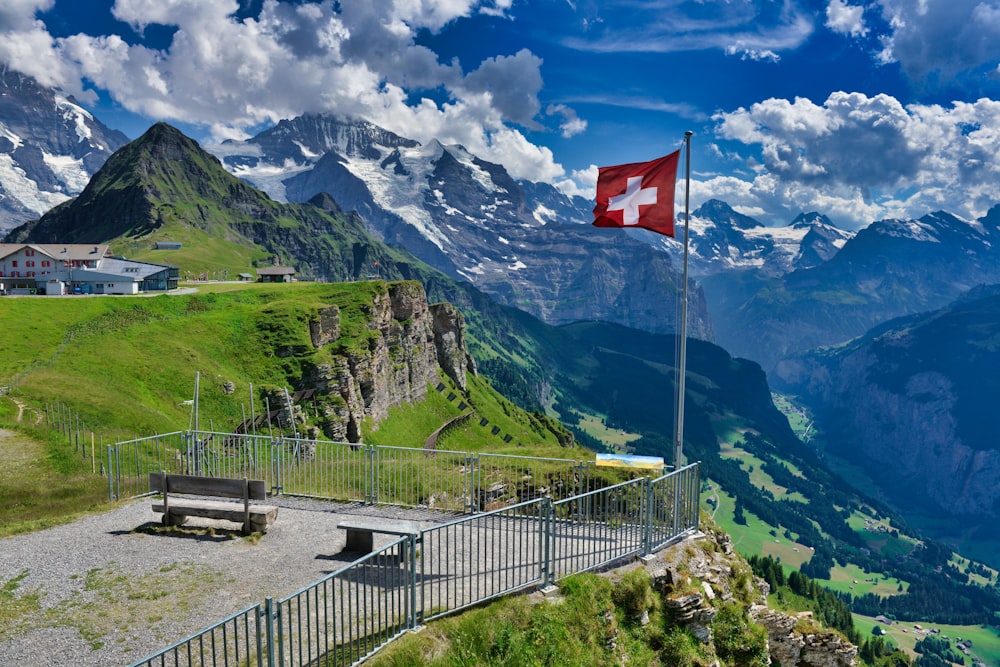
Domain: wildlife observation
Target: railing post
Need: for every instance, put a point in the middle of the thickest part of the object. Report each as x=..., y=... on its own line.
x=472, y=468
x=269, y=643
x=582, y=469
x=677, y=502
x=546, y=541
x=371, y=490
x=647, y=511
x=111, y=476
x=411, y=552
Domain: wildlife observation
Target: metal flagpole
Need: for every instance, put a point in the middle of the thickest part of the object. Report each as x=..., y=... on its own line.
x=682, y=365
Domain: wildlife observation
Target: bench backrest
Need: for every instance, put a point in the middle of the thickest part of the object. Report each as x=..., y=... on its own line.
x=207, y=486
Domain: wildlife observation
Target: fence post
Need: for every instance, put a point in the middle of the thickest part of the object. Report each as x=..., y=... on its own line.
x=276, y=464
x=582, y=469
x=411, y=553
x=546, y=541
x=269, y=643
x=111, y=476
x=647, y=536
x=472, y=486
x=677, y=502
x=371, y=483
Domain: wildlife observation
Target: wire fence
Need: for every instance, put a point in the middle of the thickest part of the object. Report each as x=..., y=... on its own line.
x=530, y=523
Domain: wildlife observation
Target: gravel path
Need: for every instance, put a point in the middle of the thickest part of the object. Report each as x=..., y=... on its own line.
x=112, y=588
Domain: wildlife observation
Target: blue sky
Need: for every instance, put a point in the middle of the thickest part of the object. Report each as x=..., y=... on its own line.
x=859, y=110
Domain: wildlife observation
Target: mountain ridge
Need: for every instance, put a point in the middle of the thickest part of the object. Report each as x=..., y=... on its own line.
x=50, y=146
x=470, y=219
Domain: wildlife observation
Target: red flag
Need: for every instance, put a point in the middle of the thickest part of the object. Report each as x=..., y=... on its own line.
x=640, y=194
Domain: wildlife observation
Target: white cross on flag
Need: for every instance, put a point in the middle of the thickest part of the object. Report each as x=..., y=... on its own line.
x=640, y=194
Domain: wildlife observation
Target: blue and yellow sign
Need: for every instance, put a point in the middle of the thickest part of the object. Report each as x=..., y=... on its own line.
x=630, y=461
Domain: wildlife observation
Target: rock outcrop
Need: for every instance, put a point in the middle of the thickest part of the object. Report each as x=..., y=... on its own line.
x=695, y=573
x=795, y=640
x=407, y=342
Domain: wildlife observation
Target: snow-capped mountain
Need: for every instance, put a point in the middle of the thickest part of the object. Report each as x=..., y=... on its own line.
x=722, y=239
x=520, y=242
x=50, y=147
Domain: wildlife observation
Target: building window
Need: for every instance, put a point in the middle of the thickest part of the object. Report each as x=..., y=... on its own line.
x=46, y=262
x=30, y=262
x=14, y=263
x=28, y=252
x=31, y=274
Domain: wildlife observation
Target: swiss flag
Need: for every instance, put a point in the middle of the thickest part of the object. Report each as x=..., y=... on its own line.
x=640, y=194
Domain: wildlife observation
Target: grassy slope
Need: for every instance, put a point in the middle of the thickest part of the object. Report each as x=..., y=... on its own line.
x=128, y=365
x=42, y=482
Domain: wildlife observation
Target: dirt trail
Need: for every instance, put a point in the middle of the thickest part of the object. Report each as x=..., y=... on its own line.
x=21, y=408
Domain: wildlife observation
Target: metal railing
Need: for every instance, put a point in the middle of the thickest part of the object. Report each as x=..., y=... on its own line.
x=239, y=639
x=375, y=474
x=531, y=523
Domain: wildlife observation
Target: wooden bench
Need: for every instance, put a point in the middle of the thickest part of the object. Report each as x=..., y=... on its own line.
x=360, y=533
x=254, y=518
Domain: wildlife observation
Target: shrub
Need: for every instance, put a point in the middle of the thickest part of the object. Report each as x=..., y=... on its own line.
x=739, y=642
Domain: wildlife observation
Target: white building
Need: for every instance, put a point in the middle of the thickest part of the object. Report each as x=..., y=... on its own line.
x=78, y=268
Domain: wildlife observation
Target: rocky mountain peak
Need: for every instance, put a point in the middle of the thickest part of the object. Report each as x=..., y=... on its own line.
x=811, y=219
x=469, y=218
x=50, y=146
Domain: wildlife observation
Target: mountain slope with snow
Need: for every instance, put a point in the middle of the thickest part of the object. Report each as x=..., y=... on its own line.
x=50, y=146
x=520, y=242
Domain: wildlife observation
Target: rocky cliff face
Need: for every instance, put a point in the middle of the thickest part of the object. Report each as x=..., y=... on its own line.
x=409, y=340
x=909, y=403
x=714, y=571
x=50, y=146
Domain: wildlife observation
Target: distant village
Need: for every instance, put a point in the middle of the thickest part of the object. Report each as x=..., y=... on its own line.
x=963, y=645
x=58, y=269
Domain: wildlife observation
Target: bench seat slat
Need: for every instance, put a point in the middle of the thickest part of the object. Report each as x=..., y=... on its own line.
x=209, y=486
x=214, y=509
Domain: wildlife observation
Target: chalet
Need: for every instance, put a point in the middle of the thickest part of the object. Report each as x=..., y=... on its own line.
x=68, y=268
x=276, y=274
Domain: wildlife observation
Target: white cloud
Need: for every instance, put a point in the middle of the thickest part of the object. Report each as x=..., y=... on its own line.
x=358, y=59
x=860, y=158
x=572, y=124
x=748, y=53
x=18, y=15
x=846, y=19
x=752, y=29
x=941, y=39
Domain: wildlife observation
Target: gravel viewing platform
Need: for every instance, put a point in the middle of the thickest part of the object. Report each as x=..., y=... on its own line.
x=112, y=588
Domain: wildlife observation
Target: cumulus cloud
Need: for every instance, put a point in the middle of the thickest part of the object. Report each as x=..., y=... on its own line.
x=233, y=76
x=846, y=19
x=26, y=46
x=749, y=53
x=572, y=124
x=513, y=83
x=941, y=39
x=855, y=155
x=20, y=14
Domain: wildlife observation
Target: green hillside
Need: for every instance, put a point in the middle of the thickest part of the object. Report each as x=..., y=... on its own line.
x=128, y=366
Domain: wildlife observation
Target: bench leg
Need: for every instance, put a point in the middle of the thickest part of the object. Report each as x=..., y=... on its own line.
x=360, y=541
x=174, y=519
